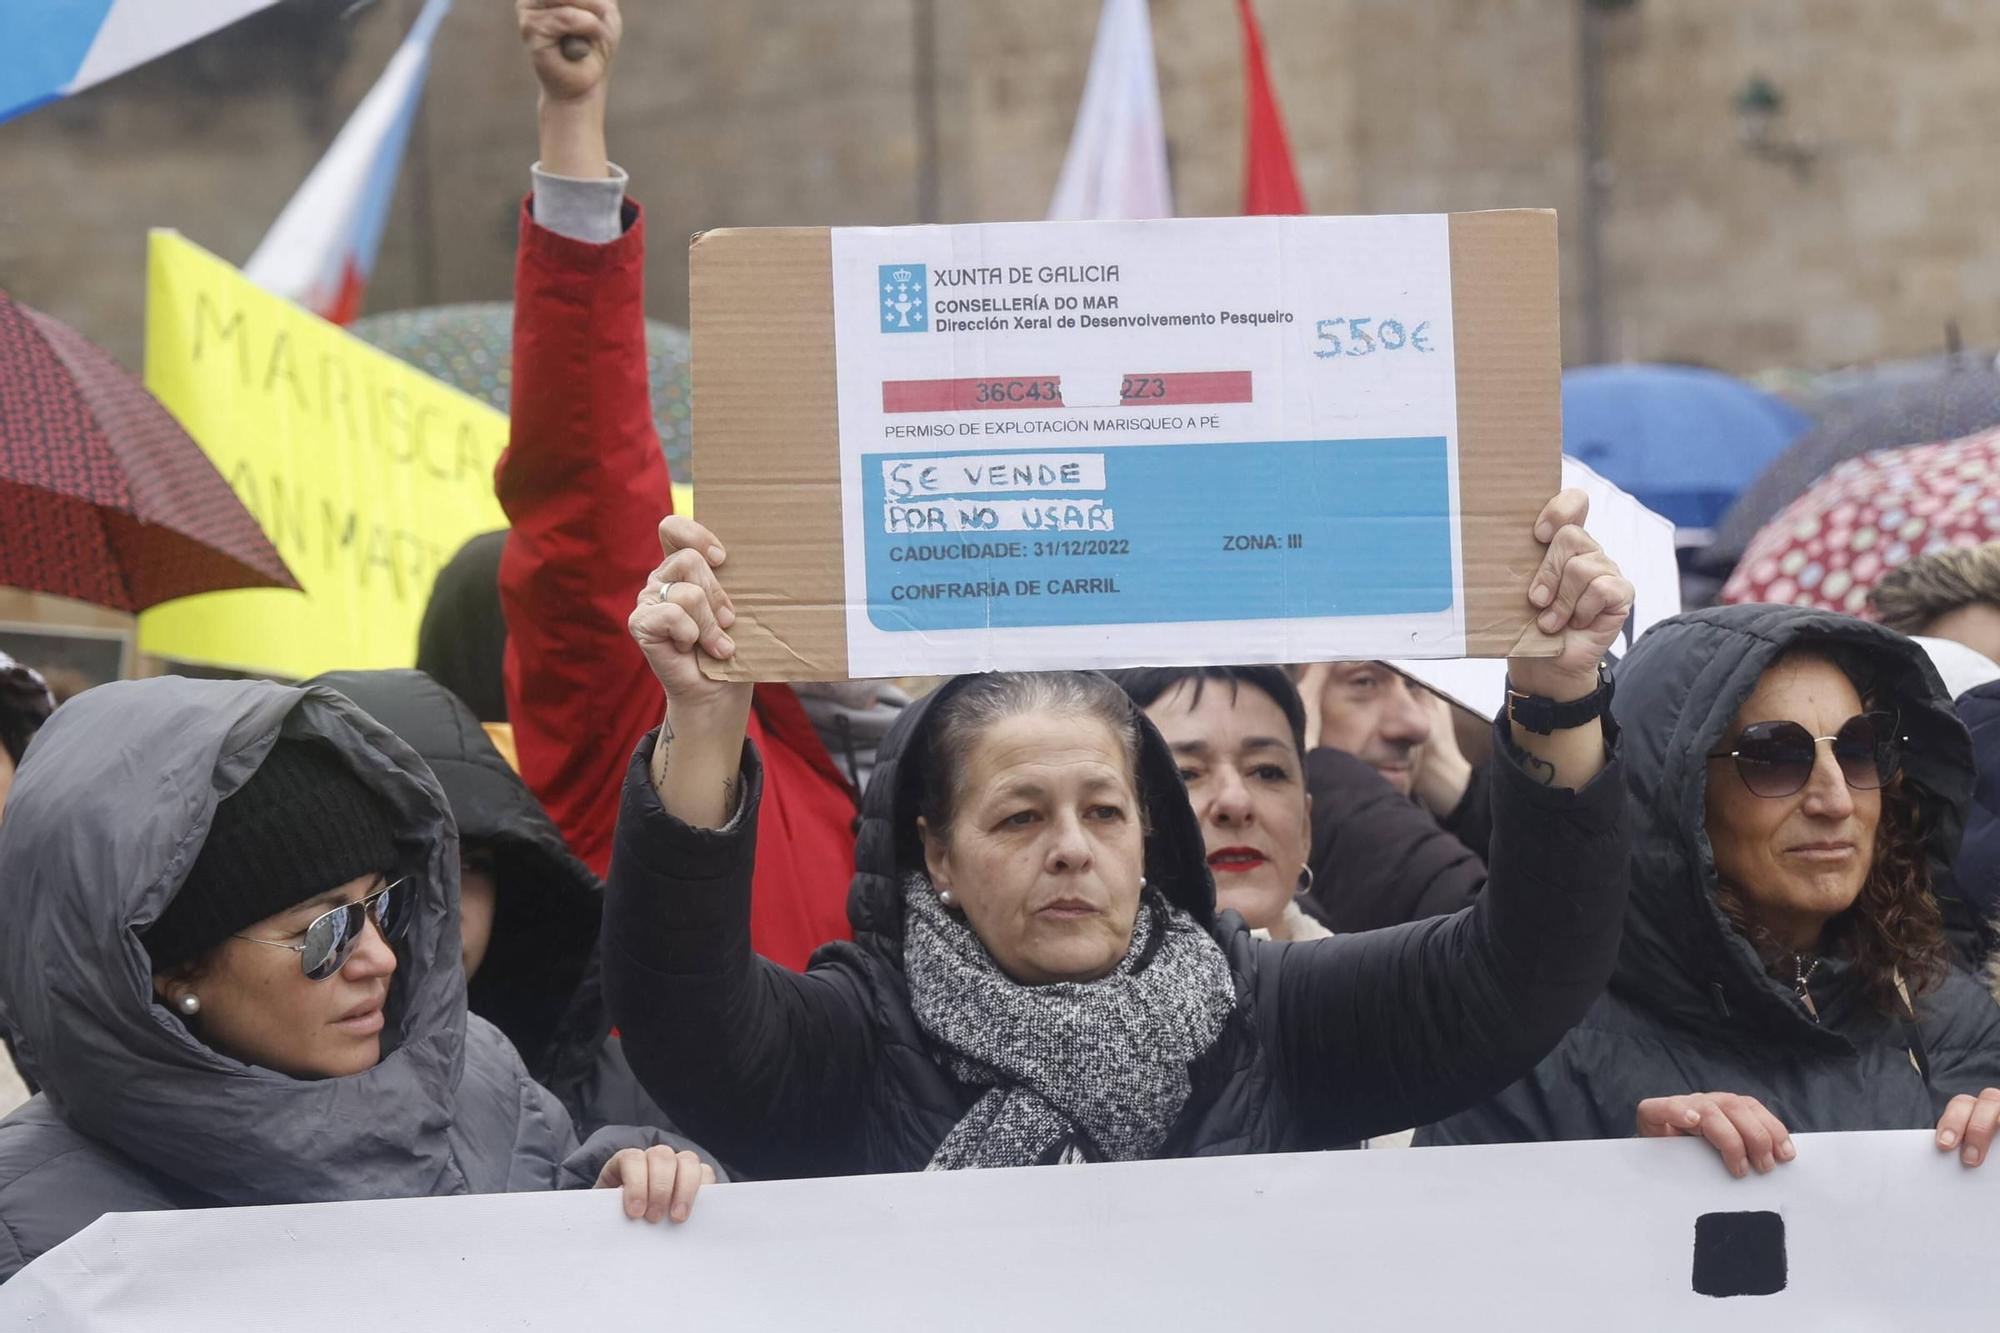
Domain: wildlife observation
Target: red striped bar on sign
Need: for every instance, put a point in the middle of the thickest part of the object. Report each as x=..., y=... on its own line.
x=1026, y=392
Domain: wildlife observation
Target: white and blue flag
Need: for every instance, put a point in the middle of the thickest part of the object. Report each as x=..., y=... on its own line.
x=52, y=48
x=321, y=251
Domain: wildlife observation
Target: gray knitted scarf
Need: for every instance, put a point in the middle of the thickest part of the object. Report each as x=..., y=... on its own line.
x=1075, y=1071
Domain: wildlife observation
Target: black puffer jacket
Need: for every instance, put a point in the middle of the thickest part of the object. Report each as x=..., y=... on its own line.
x=827, y=1072
x=538, y=982
x=1690, y=1007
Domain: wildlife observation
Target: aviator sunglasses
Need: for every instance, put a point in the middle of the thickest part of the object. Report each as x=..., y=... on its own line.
x=332, y=937
x=1776, y=759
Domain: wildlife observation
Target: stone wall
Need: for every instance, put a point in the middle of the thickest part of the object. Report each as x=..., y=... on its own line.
x=748, y=112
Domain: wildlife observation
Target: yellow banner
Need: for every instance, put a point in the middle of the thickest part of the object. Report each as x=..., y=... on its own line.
x=366, y=473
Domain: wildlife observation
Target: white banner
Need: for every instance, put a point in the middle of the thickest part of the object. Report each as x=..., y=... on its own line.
x=1863, y=1231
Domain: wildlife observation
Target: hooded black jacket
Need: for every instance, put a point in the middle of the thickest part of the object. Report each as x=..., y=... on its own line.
x=827, y=1072
x=538, y=982
x=1690, y=1007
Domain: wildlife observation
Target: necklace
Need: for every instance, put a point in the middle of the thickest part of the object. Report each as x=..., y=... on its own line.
x=1803, y=975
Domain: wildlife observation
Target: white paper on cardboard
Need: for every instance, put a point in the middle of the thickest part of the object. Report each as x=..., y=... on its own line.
x=1639, y=540
x=1879, y=1231
x=1228, y=440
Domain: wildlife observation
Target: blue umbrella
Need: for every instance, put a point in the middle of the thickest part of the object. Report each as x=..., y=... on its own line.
x=1682, y=439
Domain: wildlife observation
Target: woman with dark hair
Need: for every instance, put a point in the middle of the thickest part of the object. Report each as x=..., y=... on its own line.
x=1799, y=786
x=1237, y=734
x=1296, y=868
x=1038, y=974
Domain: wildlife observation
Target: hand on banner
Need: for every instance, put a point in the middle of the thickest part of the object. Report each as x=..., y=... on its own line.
x=1747, y=1136
x=1970, y=1121
x=572, y=43
x=683, y=614
x=659, y=1183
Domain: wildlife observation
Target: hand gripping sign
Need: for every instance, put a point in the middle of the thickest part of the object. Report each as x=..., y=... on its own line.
x=1025, y=445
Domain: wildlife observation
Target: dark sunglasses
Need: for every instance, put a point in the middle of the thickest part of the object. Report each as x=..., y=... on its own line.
x=1776, y=759
x=333, y=936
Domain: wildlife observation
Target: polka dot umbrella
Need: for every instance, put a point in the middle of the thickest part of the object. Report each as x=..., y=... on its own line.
x=1834, y=543
x=471, y=347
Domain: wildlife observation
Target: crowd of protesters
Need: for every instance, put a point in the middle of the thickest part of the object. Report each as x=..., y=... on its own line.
x=560, y=909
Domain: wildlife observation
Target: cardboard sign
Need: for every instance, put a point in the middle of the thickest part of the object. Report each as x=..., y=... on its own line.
x=1641, y=541
x=1030, y=445
x=367, y=474
x=1863, y=1231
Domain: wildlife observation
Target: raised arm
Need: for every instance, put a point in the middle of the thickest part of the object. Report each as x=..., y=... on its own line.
x=1401, y=1027
x=583, y=480
x=1405, y=1026
x=760, y=1063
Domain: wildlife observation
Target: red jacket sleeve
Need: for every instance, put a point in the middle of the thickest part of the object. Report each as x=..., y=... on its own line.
x=585, y=485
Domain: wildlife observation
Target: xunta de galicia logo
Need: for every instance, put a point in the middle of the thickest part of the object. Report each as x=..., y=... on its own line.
x=906, y=303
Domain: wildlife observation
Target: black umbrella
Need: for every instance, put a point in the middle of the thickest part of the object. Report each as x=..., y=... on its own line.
x=1958, y=399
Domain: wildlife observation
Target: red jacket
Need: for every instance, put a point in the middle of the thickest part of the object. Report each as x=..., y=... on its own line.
x=585, y=485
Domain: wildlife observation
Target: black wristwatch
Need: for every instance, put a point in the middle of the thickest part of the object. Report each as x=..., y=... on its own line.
x=1543, y=715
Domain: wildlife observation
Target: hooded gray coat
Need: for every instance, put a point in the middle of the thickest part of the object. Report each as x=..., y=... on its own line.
x=135, y=1113
x=1690, y=1007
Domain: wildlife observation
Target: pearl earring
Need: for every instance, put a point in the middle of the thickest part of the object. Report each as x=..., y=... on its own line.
x=1142, y=882
x=189, y=1004
x=944, y=896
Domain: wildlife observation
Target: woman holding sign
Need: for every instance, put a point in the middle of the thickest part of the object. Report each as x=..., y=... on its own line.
x=1800, y=784
x=1037, y=973
x=229, y=952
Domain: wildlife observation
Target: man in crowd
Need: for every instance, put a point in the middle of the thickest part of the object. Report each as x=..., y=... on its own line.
x=1405, y=733
x=1400, y=818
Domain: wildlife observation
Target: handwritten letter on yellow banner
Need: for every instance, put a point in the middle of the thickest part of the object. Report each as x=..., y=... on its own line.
x=367, y=474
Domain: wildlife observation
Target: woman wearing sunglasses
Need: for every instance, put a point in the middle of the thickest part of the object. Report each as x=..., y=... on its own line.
x=229, y=950
x=1799, y=785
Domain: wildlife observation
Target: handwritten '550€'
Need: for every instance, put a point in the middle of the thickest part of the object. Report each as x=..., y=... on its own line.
x=1353, y=337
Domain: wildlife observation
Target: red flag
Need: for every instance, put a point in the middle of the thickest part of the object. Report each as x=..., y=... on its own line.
x=1270, y=185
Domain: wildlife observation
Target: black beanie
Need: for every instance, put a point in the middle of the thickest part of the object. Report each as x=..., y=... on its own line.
x=303, y=824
